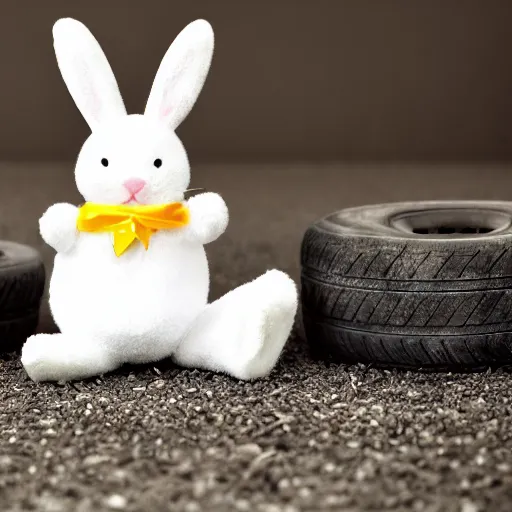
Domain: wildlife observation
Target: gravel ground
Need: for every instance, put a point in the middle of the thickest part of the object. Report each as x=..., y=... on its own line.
x=311, y=437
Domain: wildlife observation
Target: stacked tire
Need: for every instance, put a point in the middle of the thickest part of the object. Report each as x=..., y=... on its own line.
x=22, y=281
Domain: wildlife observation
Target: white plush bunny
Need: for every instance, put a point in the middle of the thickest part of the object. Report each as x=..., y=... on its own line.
x=147, y=303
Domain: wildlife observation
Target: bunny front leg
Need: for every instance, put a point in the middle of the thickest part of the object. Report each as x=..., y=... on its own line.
x=58, y=226
x=60, y=357
x=208, y=217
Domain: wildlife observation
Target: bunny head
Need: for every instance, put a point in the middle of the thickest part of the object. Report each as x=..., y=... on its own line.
x=133, y=159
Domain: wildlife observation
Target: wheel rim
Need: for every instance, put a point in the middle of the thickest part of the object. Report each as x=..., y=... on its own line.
x=451, y=222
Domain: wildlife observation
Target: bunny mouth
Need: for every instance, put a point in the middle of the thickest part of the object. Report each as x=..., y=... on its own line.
x=131, y=199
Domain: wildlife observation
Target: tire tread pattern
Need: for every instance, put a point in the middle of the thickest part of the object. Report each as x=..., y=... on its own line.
x=21, y=291
x=426, y=327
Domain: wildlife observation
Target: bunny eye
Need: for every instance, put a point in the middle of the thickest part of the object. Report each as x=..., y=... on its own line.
x=157, y=163
x=104, y=162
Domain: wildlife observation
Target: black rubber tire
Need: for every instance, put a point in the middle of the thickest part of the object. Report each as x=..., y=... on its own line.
x=375, y=291
x=22, y=282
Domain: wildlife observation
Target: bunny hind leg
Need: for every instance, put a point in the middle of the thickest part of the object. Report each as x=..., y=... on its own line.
x=243, y=333
x=59, y=357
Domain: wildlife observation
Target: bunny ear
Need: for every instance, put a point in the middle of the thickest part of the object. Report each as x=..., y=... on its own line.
x=181, y=74
x=86, y=72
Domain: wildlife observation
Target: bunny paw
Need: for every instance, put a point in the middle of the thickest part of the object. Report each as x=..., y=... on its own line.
x=58, y=226
x=208, y=217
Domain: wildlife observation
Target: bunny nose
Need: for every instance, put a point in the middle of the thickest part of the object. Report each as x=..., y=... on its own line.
x=134, y=185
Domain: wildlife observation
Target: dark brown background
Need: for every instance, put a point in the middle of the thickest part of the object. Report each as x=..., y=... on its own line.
x=291, y=79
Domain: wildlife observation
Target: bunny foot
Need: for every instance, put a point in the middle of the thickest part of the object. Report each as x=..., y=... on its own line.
x=244, y=332
x=56, y=357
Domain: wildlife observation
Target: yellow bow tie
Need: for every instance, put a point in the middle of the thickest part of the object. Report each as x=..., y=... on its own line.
x=130, y=223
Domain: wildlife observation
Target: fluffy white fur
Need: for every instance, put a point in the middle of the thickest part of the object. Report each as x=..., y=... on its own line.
x=147, y=305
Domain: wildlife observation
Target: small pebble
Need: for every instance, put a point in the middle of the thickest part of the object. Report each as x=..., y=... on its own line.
x=469, y=506
x=95, y=459
x=5, y=461
x=249, y=449
x=116, y=502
